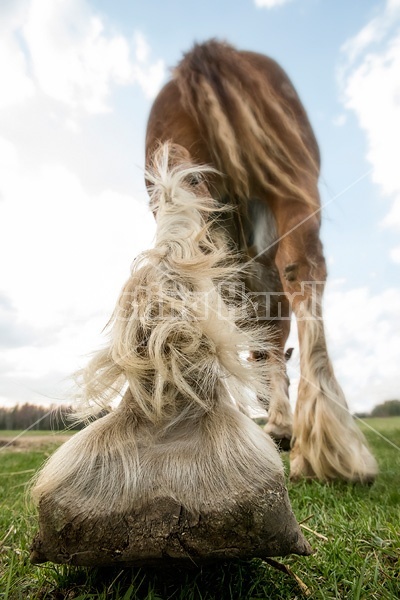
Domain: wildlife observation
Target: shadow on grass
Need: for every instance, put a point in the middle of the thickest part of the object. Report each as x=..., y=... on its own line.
x=234, y=580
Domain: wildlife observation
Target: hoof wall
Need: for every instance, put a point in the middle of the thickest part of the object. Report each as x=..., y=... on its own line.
x=164, y=533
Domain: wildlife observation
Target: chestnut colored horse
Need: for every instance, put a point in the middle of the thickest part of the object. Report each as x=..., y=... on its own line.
x=239, y=113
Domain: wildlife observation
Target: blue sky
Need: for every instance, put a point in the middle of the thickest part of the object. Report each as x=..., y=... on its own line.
x=78, y=79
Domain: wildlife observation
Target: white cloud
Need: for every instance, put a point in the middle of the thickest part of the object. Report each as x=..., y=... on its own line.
x=363, y=327
x=371, y=88
x=8, y=165
x=67, y=250
x=16, y=84
x=72, y=57
x=375, y=31
x=270, y=3
x=362, y=333
x=395, y=255
x=13, y=70
x=66, y=242
x=142, y=49
x=69, y=254
x=150, y=78
x=392, y=219
x=73, y=60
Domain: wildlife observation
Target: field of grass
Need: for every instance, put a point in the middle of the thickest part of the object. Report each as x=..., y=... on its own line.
x=357, y=549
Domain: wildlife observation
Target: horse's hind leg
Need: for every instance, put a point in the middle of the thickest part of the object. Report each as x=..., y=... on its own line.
x=273, y=313
x=326, y=442
x=280, y=418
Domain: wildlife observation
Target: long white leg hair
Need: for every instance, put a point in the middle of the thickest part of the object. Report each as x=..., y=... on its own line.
x=328, y=443
x=176, y=346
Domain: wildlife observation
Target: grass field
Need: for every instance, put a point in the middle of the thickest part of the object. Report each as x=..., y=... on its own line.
x=357, y=555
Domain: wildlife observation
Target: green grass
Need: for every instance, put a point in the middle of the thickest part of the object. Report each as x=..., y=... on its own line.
x=385, y=425
x=359, y=560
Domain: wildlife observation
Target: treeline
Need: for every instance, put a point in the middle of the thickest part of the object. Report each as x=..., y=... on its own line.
x=34, y=417
x=56, y=417
x=390, y=408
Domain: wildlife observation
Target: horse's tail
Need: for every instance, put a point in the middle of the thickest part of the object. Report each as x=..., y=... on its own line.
x=175, y=337
x=251, y=131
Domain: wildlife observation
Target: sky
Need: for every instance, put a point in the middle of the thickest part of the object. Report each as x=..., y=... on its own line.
x=78, y=78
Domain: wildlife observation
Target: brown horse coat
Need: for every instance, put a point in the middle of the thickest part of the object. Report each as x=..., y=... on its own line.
x=238, y=112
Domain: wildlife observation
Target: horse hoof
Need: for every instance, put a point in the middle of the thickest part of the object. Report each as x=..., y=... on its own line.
x=164, y=533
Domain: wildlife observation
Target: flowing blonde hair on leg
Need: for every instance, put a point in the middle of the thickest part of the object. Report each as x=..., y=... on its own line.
x=177, y=344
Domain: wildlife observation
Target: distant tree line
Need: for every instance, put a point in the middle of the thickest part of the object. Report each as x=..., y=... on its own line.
x=56, y=418
x=389, y=408
x=34, y=417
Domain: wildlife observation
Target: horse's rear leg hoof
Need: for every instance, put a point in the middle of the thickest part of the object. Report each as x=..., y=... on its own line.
x=282, y=435
x=365, y=470
x=163, y=533
x=300, y=468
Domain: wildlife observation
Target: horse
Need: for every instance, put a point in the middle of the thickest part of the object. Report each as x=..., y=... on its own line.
x=178, y=472
x=238, y=112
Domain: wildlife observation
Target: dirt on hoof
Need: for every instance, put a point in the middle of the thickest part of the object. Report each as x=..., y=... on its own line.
x=164, y=533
